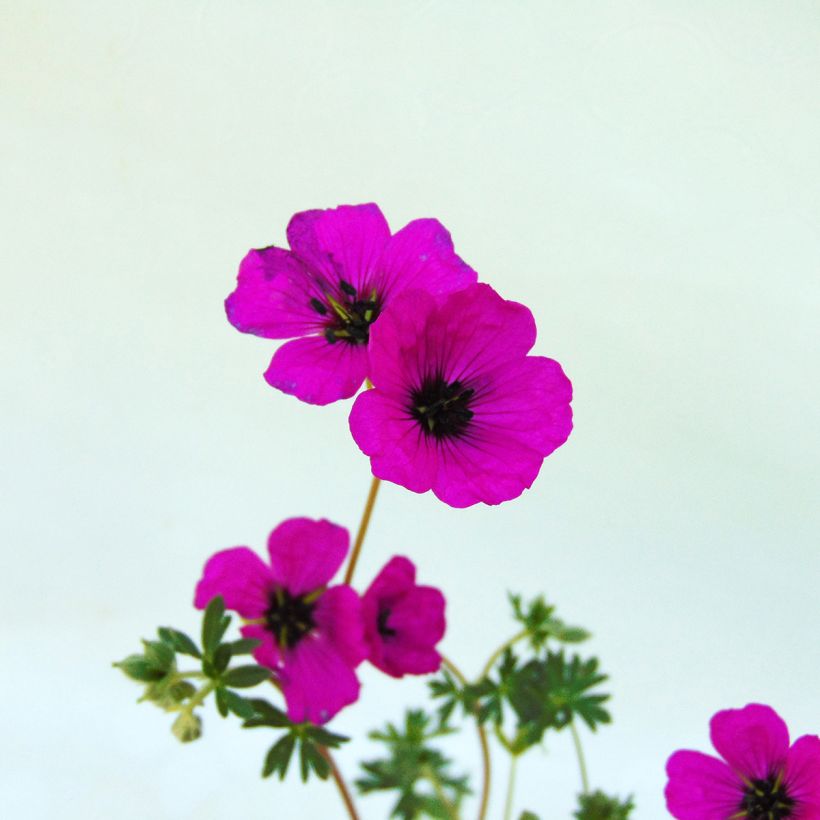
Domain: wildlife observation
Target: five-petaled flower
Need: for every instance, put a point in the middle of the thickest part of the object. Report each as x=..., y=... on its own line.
x=458, y=406
x=403, y=621
x=311, y=634
x=342, y=272
x=761, y=777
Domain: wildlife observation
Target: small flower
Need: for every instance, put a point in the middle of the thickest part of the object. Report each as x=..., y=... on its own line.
x=762, y=778
x=403, y=621
x=343, y=270
x=458, y=406
x=312, y=635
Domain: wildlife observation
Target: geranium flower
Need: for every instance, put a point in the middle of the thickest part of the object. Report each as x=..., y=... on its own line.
x=343, y=270
x=458, y=406
x=403, y=621
x=760, y=777
x=312, y=635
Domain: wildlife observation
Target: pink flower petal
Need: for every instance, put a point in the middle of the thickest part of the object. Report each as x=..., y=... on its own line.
x=802, y=777
x=305, y=554
x=316, y=681
x=316, y=371
x=754, y=740
x=701, y=787
x=344, y=243
x=338, y=617
x=267, y=653
x=242, y=579
x=272, y=296
x=421, y=255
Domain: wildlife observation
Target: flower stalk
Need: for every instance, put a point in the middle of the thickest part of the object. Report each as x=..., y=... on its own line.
x=363, y=525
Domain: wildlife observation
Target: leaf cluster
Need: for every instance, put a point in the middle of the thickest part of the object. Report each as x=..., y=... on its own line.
x=310, y=740
x=544, y=691
x=174, y=691
x=418, y=771
x=599, y=806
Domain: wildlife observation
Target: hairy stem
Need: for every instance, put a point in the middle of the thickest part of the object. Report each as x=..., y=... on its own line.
x=576, y=739
x=344, y=792
x=482, y=739
x=508, y=804
x=488, y=667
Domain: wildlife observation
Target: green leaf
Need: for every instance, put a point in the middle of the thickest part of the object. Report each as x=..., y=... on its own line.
x=325, y=738
x=222, y=701
x=238, y=705
x=244, y=646
x=214, y=624
x=138, y=668
x=179, y=641
x=159, y=655
x=266, y=715
x=278, y=757
x=245, y=676
x=311, y=758
x=528, y=815
x=222, y=657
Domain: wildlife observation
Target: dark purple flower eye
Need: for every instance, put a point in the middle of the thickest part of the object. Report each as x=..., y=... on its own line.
x=458, y=406
x=342, y=271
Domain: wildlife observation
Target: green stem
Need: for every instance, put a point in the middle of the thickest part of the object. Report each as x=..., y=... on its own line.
x=488, y=667
x=363, y=525
x=198, y=697
x=576, y=739
x=508, y=805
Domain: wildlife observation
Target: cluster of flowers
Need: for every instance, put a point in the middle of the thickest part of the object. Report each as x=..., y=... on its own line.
x=457, y=406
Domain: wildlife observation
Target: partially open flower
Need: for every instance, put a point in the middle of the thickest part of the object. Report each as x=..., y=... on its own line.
x=403, y=621
x=761, y=777
x=343, y=270
x=311, y=634
x=458, y=406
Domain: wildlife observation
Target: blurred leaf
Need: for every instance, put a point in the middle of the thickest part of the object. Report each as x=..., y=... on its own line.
x=278, y=757
x=598, y=806
x=138, y=668
x=237, y=704
x=179, y=641
x=221, y=658
x=214, y=624
x=267, y=715
x=244, y=646
x=221, y=701
x=243, y=677
x=159, y=655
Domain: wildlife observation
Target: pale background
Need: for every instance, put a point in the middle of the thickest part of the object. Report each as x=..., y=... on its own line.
x=646, y=176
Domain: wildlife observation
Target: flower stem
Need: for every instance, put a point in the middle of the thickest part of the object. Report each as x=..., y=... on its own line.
x=482, y=739
x=576, y=739
x=198, y=697
x=488, y=667
x=451, y=810
x=347, y=799
x=357, y=546
x=508, y=805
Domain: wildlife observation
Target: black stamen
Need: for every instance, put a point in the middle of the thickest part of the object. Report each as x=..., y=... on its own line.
x=347, y=287
x=352, y=319
x=289, y=618
x=330, y=335
x=381, y=624
x=767, y=800
x=442, y=408
x=318, y=306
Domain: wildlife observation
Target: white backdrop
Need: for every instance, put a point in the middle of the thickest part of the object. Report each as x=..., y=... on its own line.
x=646, y=176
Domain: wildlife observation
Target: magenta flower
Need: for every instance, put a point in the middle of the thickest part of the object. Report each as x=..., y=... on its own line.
x=760, y=777
x=343, y=270
x=312, y=635
x=403, y=621
x=458, y=406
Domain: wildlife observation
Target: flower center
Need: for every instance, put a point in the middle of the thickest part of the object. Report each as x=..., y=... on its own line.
x=381, y=624
x=442, y=408
x=766, y=800
x=350, y=315
x=289, y=617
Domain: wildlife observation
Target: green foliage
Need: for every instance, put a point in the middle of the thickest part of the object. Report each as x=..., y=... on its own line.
x=528, y=815
x=309, y=739
x=537, y=619
x=174, y=691
x=598, y=806
x=419, y=772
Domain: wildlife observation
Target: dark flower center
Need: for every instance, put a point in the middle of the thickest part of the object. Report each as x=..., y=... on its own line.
x=442, y=408
x=350, y=315
x=381, y=624
x=289, y=617
x=766, y=800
